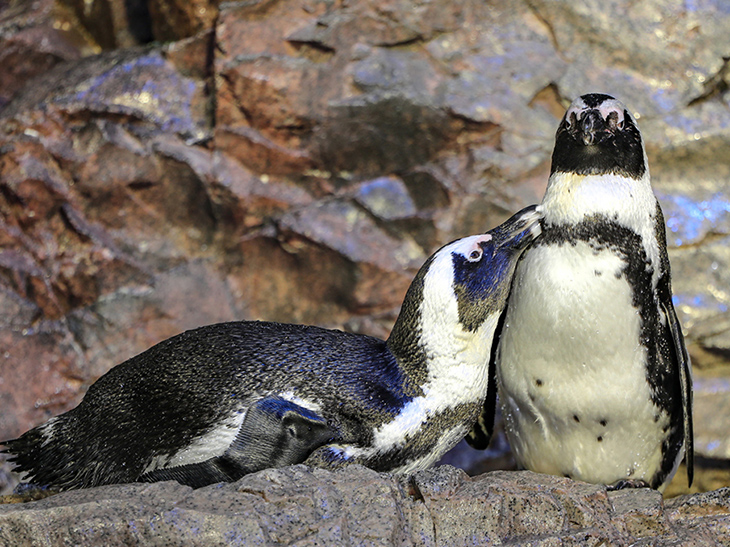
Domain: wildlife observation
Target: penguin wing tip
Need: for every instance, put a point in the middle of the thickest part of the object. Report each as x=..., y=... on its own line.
x=478, y=438
x=689, y=460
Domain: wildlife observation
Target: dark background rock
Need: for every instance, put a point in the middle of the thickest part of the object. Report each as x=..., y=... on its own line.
x=298, y=160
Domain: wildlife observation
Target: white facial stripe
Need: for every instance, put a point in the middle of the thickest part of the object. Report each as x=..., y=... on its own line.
x=609, y=107
x=466, y=245
x=605, y=108
x=457, y=371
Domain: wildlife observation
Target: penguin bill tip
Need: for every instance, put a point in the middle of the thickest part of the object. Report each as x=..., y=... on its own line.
x=520, y=230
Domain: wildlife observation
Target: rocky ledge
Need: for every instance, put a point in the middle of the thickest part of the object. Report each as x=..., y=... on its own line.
x=357, y=506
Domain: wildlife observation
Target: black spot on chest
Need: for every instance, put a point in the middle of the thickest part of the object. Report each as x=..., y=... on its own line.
x=603, y=234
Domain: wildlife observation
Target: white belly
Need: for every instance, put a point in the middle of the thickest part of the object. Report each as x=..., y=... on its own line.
x=571, y=372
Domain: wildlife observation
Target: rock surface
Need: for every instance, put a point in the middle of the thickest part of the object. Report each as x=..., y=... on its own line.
x=357, y=506
x=296, y=161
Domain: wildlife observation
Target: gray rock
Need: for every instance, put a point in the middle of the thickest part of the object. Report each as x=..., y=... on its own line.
x=298, y=163
x=712, y=407
x=327, y=221
x=660, y=55
x=35, y=37
x=356, y=506
x=113, y=83
x=386, y=198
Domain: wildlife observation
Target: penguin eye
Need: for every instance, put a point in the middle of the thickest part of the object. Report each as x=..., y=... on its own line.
x=475, y=255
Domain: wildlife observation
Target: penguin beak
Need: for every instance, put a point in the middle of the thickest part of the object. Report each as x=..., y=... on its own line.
x=591, y=128
x=520, y=230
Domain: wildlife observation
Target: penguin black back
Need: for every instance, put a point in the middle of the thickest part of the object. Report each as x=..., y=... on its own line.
x=197, y=367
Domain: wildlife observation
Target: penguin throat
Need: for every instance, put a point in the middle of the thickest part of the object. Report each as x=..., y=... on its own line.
x=571, y=198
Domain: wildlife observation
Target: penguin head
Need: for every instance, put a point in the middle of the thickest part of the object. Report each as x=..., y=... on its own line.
x=599, y=167
x=598, y=136
x=483, y=266
x=455, y=300
x=468, y=280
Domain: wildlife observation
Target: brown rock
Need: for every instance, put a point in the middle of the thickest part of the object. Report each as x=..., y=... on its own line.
x=51, y=386
x=177, y=19
x=113, y=23
x=35, y=37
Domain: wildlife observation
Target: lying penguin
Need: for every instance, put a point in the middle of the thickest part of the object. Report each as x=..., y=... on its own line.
x=218, y=402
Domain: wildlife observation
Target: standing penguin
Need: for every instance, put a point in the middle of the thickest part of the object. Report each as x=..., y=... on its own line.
x=215, y=403
x=593, y=376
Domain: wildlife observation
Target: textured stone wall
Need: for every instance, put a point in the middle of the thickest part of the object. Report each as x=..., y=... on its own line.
x=298, y=160
x=357, y=506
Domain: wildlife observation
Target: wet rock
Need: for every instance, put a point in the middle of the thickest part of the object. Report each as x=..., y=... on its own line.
x=355, y=505
x=386, y=198
x=135, y=83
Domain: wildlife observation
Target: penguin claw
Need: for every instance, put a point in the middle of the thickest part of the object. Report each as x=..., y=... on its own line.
x=623, y=484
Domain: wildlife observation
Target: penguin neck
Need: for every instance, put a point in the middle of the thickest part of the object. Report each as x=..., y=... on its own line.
x=571, y=198
x=430, y=344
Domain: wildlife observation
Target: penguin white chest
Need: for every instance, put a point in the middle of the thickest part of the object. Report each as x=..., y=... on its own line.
x=572, y=369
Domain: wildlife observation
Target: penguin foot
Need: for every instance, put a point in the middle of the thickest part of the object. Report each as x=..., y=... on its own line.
x=627, y=483
x=26, y=491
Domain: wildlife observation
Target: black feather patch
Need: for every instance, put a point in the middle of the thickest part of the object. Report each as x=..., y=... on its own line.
x=592, y=100
x=618, y=151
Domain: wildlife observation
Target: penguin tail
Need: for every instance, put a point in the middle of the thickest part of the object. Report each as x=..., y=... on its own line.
x=45, y=458
x=35, y=455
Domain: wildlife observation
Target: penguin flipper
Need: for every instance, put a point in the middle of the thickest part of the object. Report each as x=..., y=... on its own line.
x=274, y=433
x=277, y=432
x=195, y=475
x=481, y=432
x=685, y=384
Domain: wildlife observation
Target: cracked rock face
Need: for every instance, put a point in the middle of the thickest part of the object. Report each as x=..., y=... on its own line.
x=297, y=161
x=357, y=506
